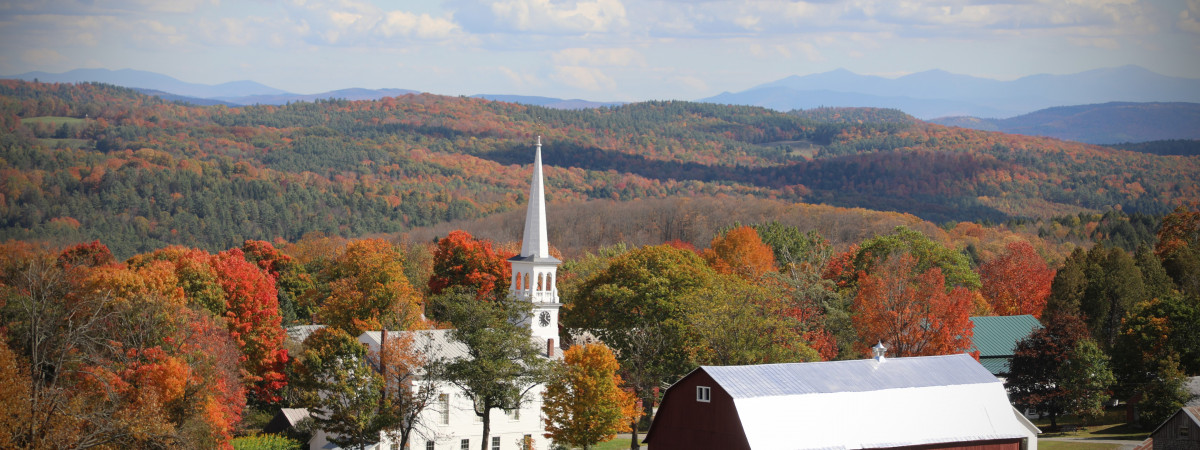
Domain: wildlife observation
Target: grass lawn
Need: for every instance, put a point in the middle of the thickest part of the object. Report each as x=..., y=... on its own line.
x=1111, y=426
x=615, y=444
x=1060, y=445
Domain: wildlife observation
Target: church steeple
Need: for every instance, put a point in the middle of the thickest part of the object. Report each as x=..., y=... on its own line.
x=534, y=271
x=535, y=243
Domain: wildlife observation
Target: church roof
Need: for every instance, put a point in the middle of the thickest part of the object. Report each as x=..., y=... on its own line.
x=535, y=244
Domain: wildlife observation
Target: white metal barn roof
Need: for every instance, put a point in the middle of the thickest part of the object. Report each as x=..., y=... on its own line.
x=867, y=403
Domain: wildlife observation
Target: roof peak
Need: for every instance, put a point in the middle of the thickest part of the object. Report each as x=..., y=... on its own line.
x=534, y=243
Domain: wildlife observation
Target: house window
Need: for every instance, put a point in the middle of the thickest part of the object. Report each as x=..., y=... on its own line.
x=513, y=414
x=527, y=442
x=444, y=405
x=428, y=445
x=703, y=394
x=495, y=442
x=465, y=444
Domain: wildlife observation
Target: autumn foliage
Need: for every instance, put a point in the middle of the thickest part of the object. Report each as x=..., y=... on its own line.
x=911, y=312
x=252, y=313
x=1017, y=282
x=586, y=403
x=365, y=288
x=462, y=260
x=740, y=251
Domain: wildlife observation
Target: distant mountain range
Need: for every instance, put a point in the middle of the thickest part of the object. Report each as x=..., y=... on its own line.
x=937, y=93
x=1107, y=123
x=236, y=93
x=1029, y=105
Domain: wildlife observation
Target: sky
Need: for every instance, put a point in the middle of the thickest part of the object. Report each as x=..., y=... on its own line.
x=603, y=50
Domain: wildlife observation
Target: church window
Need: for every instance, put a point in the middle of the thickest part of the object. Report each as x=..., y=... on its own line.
x=444, y=408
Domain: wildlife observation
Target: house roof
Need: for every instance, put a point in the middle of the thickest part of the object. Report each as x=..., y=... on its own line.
x=860, y=375
x=294, y=415
x=998, y=335
x=299, y=333
x=434, y=343
x=869, y=404
x=1192, y=385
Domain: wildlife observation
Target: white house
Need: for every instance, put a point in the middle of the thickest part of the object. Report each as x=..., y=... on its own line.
x=451, y=423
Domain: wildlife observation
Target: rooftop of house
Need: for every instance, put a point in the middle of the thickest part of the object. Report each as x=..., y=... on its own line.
x=996, y=337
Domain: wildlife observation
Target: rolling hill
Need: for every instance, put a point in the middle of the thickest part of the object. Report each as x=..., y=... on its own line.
x=1107, y=123
x=92, y=161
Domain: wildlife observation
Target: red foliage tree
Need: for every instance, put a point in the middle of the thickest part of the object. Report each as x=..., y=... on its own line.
x=254, y=323
x=1017, y=282
x=911, y=312
x=462, y=260
x=93, y=254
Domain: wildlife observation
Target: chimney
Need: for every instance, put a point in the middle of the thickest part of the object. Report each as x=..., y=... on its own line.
x=382, y=362
x=878, y=351
x=550, y=348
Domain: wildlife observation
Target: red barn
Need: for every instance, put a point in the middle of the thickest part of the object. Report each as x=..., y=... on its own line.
x=931, y=402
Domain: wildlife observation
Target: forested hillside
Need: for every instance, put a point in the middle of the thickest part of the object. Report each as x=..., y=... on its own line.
x=88, y=161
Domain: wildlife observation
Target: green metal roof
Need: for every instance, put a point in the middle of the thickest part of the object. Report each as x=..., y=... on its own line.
x=998, y=335
x=997, y=366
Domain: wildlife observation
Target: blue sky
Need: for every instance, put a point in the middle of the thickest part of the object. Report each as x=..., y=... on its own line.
x=593, y=49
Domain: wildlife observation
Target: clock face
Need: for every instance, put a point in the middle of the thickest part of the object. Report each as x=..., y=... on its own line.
x=544, y=318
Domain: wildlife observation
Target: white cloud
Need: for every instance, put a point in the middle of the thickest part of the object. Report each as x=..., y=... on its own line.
x=598, y=57
x=1188, y=18
x=586, y=78
x=424, y=26
x=544, y=16
x=41, y=56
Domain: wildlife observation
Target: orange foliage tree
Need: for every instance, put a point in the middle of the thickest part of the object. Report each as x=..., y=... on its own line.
x=585, y=403
x=462, y=260
x=740, y=251
x=1017, y=282
x=131, y=364
x=911, y=312
x=254, y=323
x=366, y=289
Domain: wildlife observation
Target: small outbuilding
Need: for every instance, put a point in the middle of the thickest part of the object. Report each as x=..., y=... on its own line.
x=1179, y=432
x=931, y=402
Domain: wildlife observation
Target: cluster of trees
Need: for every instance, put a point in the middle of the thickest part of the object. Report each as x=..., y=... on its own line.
x=175, y=347
x=89, y=161
x=164, y=350
x=1118, y=324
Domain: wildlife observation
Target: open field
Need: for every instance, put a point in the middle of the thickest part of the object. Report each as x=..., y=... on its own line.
x=54, y=120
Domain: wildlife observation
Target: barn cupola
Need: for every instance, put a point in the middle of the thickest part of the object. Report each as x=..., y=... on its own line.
x=878, y=351
x=534, y=271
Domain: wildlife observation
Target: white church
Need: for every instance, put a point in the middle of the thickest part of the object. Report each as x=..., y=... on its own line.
x=450, y=422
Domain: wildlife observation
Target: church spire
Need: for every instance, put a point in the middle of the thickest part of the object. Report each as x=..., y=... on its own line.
x=535, y=243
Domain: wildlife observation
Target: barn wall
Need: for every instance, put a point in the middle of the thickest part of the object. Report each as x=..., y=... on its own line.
x=1178, y=432
x=684, y=423
x=1000, y=444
